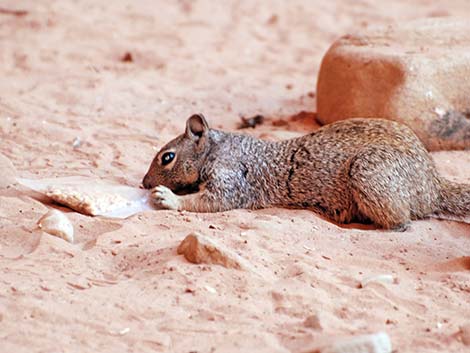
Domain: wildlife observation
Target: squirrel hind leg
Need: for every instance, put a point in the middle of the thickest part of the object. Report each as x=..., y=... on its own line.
x=384, y=212
x=376, y=201
x=379, y=189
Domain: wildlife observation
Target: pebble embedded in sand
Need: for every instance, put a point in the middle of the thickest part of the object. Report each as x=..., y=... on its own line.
x=199, y=249
x=56, y=223
x=374, y=343
x=313, y=322
x=416, y=73
x=383, y=279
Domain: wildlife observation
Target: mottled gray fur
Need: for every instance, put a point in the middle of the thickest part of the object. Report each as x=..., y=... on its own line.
x=366, y=170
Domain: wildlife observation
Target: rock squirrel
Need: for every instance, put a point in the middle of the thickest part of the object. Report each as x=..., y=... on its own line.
x=356, y=170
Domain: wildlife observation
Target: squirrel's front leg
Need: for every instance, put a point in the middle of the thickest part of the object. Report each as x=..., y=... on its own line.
x=201, y=201
x=165, y=198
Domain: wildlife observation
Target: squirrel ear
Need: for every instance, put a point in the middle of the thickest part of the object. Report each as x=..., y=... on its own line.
x=196, y=126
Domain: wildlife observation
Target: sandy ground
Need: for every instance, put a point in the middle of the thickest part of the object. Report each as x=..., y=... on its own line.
x=122, y=287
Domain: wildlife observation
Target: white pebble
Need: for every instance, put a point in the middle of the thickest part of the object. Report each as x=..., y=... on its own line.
x=210, y=289
x=77, y=142
x=124, y=331
x=384, y=279
x=375, y=343
x=56, y=223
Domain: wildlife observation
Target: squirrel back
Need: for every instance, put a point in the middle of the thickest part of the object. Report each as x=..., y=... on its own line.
x=353, y=170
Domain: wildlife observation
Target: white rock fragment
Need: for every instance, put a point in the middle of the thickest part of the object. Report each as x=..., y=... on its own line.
x=308, y=248
x=56, y=223
x=77, y=142
x=374, y=343
x=199, y=249
x=384, y=279
x=124, y=331
x=210, y=289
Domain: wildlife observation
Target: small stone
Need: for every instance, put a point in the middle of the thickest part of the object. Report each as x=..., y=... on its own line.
x=124, y=331
x=127, y=58
x=210, y=289
x=465, y=334
x=414, y=73
x=56, y=223
x=313, y=322
x=374, y=343
x=308, y=248
x=273, y=19
x=384, y=279
x=77, y=142
x=199, y=249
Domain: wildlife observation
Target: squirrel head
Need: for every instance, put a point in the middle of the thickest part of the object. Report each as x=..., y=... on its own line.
x=177, y=165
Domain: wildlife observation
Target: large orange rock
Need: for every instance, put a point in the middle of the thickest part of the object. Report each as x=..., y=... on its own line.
x=417, y=73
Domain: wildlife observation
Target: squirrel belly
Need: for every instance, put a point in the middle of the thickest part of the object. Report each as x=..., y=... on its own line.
x=366, y=170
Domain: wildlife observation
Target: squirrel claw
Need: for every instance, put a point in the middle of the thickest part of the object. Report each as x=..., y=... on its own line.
x=165, y=198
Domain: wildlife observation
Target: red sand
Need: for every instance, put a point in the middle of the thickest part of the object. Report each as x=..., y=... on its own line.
x=121, y=286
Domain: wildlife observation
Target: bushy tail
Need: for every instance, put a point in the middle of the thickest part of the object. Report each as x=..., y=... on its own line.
x=454, y=201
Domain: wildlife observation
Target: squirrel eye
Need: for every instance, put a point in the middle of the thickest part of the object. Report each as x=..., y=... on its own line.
x=167, y=158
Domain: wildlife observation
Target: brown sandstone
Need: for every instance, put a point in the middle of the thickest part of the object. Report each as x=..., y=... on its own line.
x=416, y=73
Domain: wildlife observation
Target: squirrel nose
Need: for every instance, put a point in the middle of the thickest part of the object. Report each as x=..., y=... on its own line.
x=146, y=182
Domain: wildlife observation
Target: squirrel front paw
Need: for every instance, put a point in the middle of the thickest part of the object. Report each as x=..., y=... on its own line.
x=165, y=198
